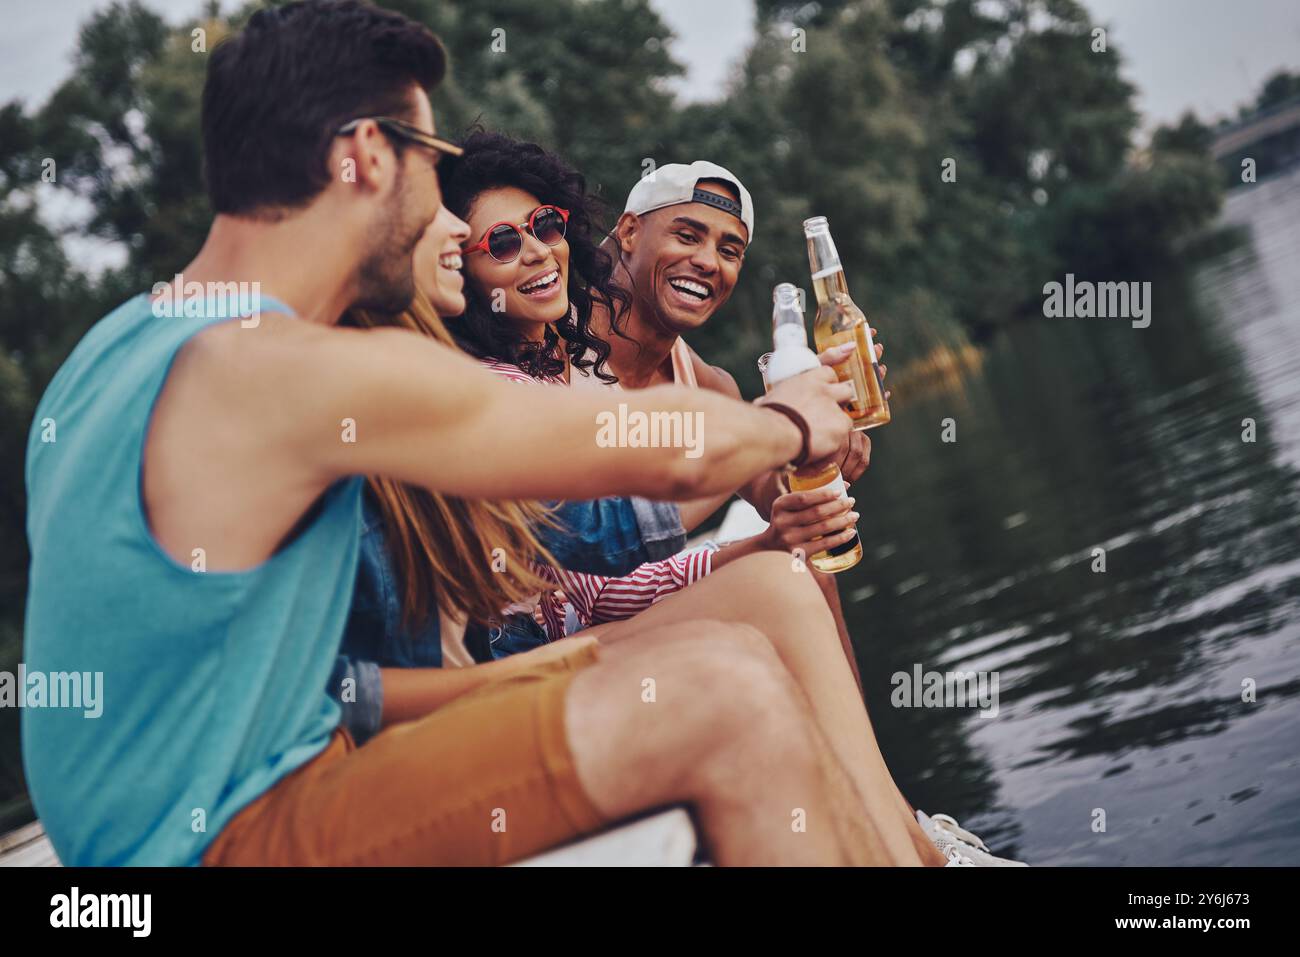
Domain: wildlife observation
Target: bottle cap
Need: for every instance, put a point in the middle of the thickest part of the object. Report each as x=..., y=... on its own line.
x=785, y=296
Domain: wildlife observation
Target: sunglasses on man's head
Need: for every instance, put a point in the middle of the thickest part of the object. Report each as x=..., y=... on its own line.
x=504, y=241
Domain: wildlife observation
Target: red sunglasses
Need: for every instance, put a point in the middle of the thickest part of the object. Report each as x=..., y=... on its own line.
x=504, y=241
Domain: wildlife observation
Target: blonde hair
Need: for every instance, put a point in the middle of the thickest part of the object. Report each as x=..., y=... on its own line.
x=447, y=550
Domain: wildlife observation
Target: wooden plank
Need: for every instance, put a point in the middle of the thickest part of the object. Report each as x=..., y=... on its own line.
x=24, y=834
x=37, y=854
x=666, y=839
x=27, y=847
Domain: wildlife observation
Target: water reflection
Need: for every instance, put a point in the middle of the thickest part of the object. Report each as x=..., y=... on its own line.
x=1121, y=691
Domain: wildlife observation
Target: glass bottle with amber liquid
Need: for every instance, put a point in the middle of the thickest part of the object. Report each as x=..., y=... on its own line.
x=790, y=356
x=839, y=320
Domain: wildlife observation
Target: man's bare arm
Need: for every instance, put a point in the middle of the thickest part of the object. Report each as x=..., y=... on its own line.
x=426, y=414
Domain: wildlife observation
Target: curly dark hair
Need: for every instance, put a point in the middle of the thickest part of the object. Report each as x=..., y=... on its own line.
x=491, y=161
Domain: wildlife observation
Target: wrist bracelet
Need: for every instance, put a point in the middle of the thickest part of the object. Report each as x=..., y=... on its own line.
x=805, y=434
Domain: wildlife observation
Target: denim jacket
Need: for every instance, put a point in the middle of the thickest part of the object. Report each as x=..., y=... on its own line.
x=609, y=536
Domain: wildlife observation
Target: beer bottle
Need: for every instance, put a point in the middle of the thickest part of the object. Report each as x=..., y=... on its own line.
x=790, y=356
x=838, y=321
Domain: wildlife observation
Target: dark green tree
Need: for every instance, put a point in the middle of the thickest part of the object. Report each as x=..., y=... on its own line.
x=1278, y=88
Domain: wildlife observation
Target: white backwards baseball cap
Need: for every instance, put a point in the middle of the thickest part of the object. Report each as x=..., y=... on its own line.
x=675, y=183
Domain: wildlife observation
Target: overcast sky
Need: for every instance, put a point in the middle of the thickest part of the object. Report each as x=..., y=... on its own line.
x=1208, y=55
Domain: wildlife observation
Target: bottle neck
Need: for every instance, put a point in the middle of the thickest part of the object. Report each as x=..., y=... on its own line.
x=829, y=283
x=824, y=261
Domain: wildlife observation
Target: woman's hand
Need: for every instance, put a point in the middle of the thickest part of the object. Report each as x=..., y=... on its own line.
x=854, y=455
x=801, y=518
x=837, y=354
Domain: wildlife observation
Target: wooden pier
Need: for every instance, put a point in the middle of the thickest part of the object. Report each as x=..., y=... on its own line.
x=27, y=847
x=664, y=839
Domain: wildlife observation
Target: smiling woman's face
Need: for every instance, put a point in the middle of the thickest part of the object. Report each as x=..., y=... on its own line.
x=436, y=263
x=534, y=288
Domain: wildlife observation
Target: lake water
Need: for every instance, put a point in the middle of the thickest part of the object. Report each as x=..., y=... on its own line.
x=1121, y=692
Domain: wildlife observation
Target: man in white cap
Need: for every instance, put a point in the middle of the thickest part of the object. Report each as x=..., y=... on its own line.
x=679, y=245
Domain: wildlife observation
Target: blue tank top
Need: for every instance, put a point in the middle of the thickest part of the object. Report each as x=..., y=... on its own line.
x=213, y=683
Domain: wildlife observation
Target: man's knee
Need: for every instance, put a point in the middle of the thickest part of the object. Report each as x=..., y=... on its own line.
x=745, y=680
x=723, y=705
x=752, y=711
x=728, y=642
x=714, y=672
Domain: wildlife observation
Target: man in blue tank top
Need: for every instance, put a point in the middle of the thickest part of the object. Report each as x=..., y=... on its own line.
x=192, y=477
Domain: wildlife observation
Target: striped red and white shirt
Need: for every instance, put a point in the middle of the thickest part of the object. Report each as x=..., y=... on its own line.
x=598, y=598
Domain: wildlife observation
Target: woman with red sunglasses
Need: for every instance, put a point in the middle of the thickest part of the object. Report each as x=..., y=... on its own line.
x=533, y=271
x=533, y=266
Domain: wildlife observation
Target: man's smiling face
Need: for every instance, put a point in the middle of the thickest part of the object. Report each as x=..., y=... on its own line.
x=684, y=259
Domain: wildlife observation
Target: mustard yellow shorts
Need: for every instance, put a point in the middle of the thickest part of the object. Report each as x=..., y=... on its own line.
x=486, y=779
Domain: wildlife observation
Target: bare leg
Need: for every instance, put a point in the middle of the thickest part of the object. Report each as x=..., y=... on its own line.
x=766, y=591
x=831, y=591
x=704, y=713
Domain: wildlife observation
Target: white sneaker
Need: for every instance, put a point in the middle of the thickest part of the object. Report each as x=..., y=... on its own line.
x=954, y=840
x=957, y=859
